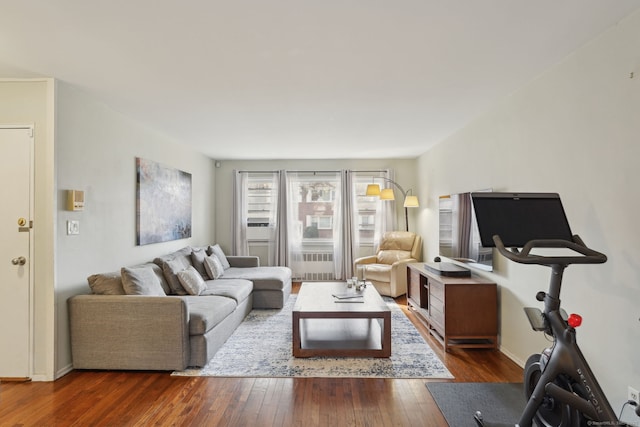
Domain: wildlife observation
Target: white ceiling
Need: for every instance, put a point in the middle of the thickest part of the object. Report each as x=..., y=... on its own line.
x=299, y=79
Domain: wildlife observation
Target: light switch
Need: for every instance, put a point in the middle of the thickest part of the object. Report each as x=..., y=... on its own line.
x=73, y=227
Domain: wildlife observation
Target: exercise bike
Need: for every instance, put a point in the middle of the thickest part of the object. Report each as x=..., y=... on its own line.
x=560, y=388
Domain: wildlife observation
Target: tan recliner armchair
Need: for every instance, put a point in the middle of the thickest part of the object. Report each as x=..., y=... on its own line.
x=387, y=270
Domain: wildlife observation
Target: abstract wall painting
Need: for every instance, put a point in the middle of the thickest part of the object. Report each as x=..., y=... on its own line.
x=163, y=203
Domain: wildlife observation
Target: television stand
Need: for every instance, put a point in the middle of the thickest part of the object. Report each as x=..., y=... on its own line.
x=458, y=311
x=447, y=269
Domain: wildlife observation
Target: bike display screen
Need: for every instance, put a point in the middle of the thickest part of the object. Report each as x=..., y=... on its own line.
x=520, y=217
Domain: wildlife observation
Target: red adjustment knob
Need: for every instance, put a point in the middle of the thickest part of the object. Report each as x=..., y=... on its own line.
x=574, y=320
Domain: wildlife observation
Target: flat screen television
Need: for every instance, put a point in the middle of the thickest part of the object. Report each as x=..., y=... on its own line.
x=459, y=237
x=520, y=217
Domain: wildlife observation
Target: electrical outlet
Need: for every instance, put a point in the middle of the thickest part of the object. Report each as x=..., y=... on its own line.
x=633, y=395
x=73, y=227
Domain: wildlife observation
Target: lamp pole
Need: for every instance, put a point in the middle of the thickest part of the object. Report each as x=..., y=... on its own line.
x=404, y=196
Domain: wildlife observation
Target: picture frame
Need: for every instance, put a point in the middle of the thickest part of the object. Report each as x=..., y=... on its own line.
x=163, y=203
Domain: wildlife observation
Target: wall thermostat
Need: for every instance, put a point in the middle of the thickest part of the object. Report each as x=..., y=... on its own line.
x=75, y=200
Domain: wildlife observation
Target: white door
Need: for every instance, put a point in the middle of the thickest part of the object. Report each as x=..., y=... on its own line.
x=15, y=251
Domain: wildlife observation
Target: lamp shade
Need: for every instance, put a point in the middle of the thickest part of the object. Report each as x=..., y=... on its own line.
x=411, y=202
x=373, y=190
x=387, y=194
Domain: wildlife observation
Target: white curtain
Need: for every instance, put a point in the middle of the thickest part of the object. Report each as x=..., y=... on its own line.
x=240, y=243
x=339, y=209
x=294, y=225
x=273, y=219
x=281, y=231
x=350, y=237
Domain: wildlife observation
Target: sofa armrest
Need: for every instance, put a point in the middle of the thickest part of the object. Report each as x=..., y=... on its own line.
x=371, y=259
x=398, y=283
x=402, y=263
x=243, y=261
x=129, y=332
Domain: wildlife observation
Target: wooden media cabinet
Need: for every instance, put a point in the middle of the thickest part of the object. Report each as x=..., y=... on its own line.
x=458, y=311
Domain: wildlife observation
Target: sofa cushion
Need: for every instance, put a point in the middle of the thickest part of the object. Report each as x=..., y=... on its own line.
x=398, y=240
x=217, y=251
x=141, y=281
x=184, y=254
x=197, y=260
x=170, y=269
x=214, y=267
x=205, y=312
x=263, y=278
x=192, y=281
x=238, y=289
x=106, y=283
x=390, y=256
x=243, y=261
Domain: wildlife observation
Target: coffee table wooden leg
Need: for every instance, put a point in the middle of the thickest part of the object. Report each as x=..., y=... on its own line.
x=296, y=334
x=386, y=336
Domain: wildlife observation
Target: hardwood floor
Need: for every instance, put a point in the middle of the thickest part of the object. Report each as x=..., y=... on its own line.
x=97, y=398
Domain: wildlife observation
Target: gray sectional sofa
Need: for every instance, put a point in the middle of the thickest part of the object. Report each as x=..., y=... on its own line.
x=172, y=313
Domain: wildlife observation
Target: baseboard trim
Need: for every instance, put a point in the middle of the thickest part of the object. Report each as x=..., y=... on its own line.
x=64, y=371
x=511, y=356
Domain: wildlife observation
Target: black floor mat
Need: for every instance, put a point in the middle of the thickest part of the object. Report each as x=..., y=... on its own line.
x=498, y=402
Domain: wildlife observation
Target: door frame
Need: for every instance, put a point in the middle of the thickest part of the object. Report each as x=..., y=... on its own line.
x=30, y=128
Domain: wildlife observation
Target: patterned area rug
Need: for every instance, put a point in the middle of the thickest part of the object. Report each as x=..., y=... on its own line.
x=261, y=347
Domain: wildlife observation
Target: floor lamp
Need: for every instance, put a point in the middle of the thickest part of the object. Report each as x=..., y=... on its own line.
x=410, y=201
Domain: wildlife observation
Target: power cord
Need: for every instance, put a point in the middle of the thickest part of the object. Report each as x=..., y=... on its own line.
x=630, y=403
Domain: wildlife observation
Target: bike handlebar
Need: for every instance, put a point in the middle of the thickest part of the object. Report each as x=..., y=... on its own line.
x=588, y=255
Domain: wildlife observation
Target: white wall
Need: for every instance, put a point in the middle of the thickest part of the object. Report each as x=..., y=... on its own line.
x=575, y=130
x=96, y=149
x=404, y=170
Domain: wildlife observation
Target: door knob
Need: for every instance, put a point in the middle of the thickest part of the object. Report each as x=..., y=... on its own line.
x=19, y=261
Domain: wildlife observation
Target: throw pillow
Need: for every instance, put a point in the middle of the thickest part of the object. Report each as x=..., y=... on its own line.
x=170, y=269
x=192, y=281
x=214, y=267
x=197, y=259
x=141, y=281
x=106, y=283
x=159, y=274
x=217, y=251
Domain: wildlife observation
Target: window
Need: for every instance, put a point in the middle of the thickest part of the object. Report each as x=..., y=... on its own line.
x=328, y=221
x=261, y=200
x=367, y=208
x=366, y=222
x=320, y=222
x=312, y=203
x=260, y=215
